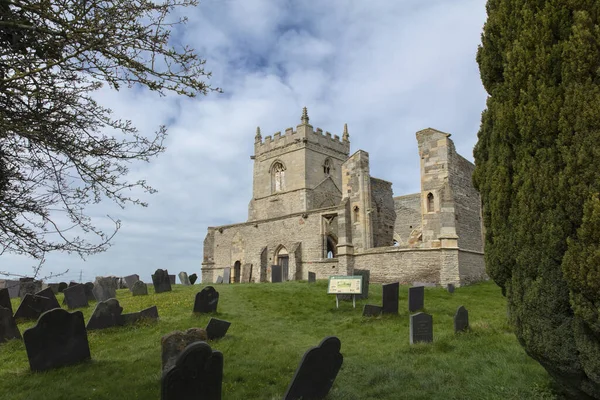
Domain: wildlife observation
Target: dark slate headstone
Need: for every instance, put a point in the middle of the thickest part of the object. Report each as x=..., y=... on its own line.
x=276, y=273
x=421, y=328
x=28, y=286
x=75, y=297
x=461, y=320
x=72, y=283
x=317, y=371
x=184, y=279
x=62, y=286
x=227, y=275
x=8, y=326
x=206, y=300
x=161, y=281
x=88, y=287
x=450, y=288
x=366, y=278
x=312, y=277
x=219, y=279
x=172, y=279
x=193, y=278
x=105, y=288
x=139, y=289
x=106, y=315
x=371, y=311
x=130, y=280
x=54, y=287
x=150, y=313
x=217, y=328
x=391, y=292
x=59, y=338
x=32, y=306
x=416, y=298
x=5, y=300
x=197, y=374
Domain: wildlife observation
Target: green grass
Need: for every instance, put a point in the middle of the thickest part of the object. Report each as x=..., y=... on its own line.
x=274, y=324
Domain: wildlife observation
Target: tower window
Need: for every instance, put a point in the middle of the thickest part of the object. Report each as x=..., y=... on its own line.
x=430, y=203
x=278, y=177
x=327, y=167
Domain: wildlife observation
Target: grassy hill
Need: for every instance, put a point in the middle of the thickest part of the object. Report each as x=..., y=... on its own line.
x=274, y=324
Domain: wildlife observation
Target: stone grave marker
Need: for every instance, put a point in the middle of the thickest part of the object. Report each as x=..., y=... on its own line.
x=183, y=278
x=370, y=310
x=105, y=288
x=12, y=286
x=276, y=273
x=416, y=298
x=59, y=338
x=450, y=288
x=461, y=320
x=193, y=278
x=219, y=279
x=246, y=273
x=366, y=278
x=206, y=300
x=130, y=280
x=72, y=283
x=62, y=286
x=75, y=297
x=426, y=284
x=88, y=288
x=150, y=313
x=162, y=281
x=106, y=315
x=28, y=286
x=33, y=305
x=317, y=371
x=227, y=275
x=197, y=374
x=172, y=279
x=172, y=344
x=312, y=277
x=54, y=287
x=391, y=292
x=139, y=288
x=217, y=328
x=421, y=328
x=5, y=300
x=8, y=326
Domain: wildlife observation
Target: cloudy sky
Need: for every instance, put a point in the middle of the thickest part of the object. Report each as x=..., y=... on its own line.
x=387, y=68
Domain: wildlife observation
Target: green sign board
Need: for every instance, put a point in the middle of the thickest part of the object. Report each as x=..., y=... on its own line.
x=345, y=285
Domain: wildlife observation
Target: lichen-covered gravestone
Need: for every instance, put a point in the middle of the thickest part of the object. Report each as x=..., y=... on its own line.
x=139, y=289
x=461, y=319
x=130, y=280
x=193, y=278
x=33, y=305
x=8, y=326
x=317, y=371
x=312, y=277
x=227, y=275
x=28, y=286
x=416, y=298
x=421, y=328
x=89, y=291
x=391, y=293
x=59, y=338
x=217, y=328
x=197, y=374
x=105, y=288
x=75, y=297
x=246, y=273
x=174, y=343
x=206, y=300
x=183, y=278
x=219, y=279
x=161, y=281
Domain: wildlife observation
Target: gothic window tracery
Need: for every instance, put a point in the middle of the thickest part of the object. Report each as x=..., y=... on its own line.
x=327, y=166
x=278, y=177
x=430, y=203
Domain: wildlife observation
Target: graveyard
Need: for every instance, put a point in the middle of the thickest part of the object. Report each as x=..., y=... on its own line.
x=274, y=324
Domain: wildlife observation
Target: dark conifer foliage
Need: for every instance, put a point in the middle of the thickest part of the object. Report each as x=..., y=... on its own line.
x=538, y=172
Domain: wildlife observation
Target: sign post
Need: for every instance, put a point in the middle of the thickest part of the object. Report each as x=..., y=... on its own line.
x=345, y=285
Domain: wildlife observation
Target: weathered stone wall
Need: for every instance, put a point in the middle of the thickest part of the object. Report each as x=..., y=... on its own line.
x=392, y=264
x=471, y=267
x=326, y=194
x=356, y=187
x=383, y=214
x=408, y=217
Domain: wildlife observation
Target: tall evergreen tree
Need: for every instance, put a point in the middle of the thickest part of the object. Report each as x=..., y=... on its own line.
x=538, y=170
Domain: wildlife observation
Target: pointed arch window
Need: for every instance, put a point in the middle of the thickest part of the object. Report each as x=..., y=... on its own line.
x=278, y=177
x=327, y=166
x=430, y=203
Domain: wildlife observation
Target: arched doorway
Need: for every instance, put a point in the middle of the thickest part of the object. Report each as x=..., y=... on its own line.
x=283, y=259
x=237, y=271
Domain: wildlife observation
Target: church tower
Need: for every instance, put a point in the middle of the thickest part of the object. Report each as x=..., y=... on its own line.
x=297, y=171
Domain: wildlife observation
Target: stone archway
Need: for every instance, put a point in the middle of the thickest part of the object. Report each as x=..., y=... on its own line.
x=283, y=259
x=237, y=271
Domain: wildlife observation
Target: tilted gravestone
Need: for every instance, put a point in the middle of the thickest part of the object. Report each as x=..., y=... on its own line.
x=33, y=305
x=172, y=279
x=88, y=287
x=172, y=344
x=139, y=289
x=130, y=280
x=246, y=273
x=8, y=326
x=217, y=328
x=62, y=286
x=28, y=286
x=183, y=278
x=197, y=374
x=59, y=338
x=12, y=286
x=54, y=287
x=5, y=300
x=75, y=297
x=193, y=278
x=450, y=288
x=370, y=310
x=105, y=288
x=148, y=314
x=366, y=278
x=391, y=293
x=227, y=275
x=461, y=320
x=416, y=298
x=421, y=328
x=317, y=371
x=219, y=279
x=161, y=281
x=276, y=273
x=312, y=277
x=109, y=313
x=206, y=300
x=73, y=283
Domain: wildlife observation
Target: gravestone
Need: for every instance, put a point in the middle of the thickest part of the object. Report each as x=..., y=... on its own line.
x=391, y=293
x=54, y=287
x=29, y=286
x=317, y=371
x=139, y=289
x=416, y=298
x=217, y=328
x=5, y=300
x=183, y=278
x=130, y=280
x=172, y=279
x=105, y=288
x=206, y=300
x=426, y=284
x=8, y=326
x=174, y=343
x=88, y=287
x=72, y=283
x=366, y=278
x=62, y=286
x=227, y=275
x=312, y=277
x=219, y=279
x=461, y=320
x=421, y=328
x=150, y=313
x=370, y=310
x=246, y=273
x=450, y=288
x=197, y=374
x=276, y=273
x=12, y=286
x=106, y=315
x=33, y=305
x=59, y=338
x=161, y=281
x=193, y=278
x=75, y=297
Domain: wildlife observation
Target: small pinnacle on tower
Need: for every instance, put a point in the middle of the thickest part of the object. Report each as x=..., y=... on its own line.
x=304, y=118
x=258, y=136
x=345, y=136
